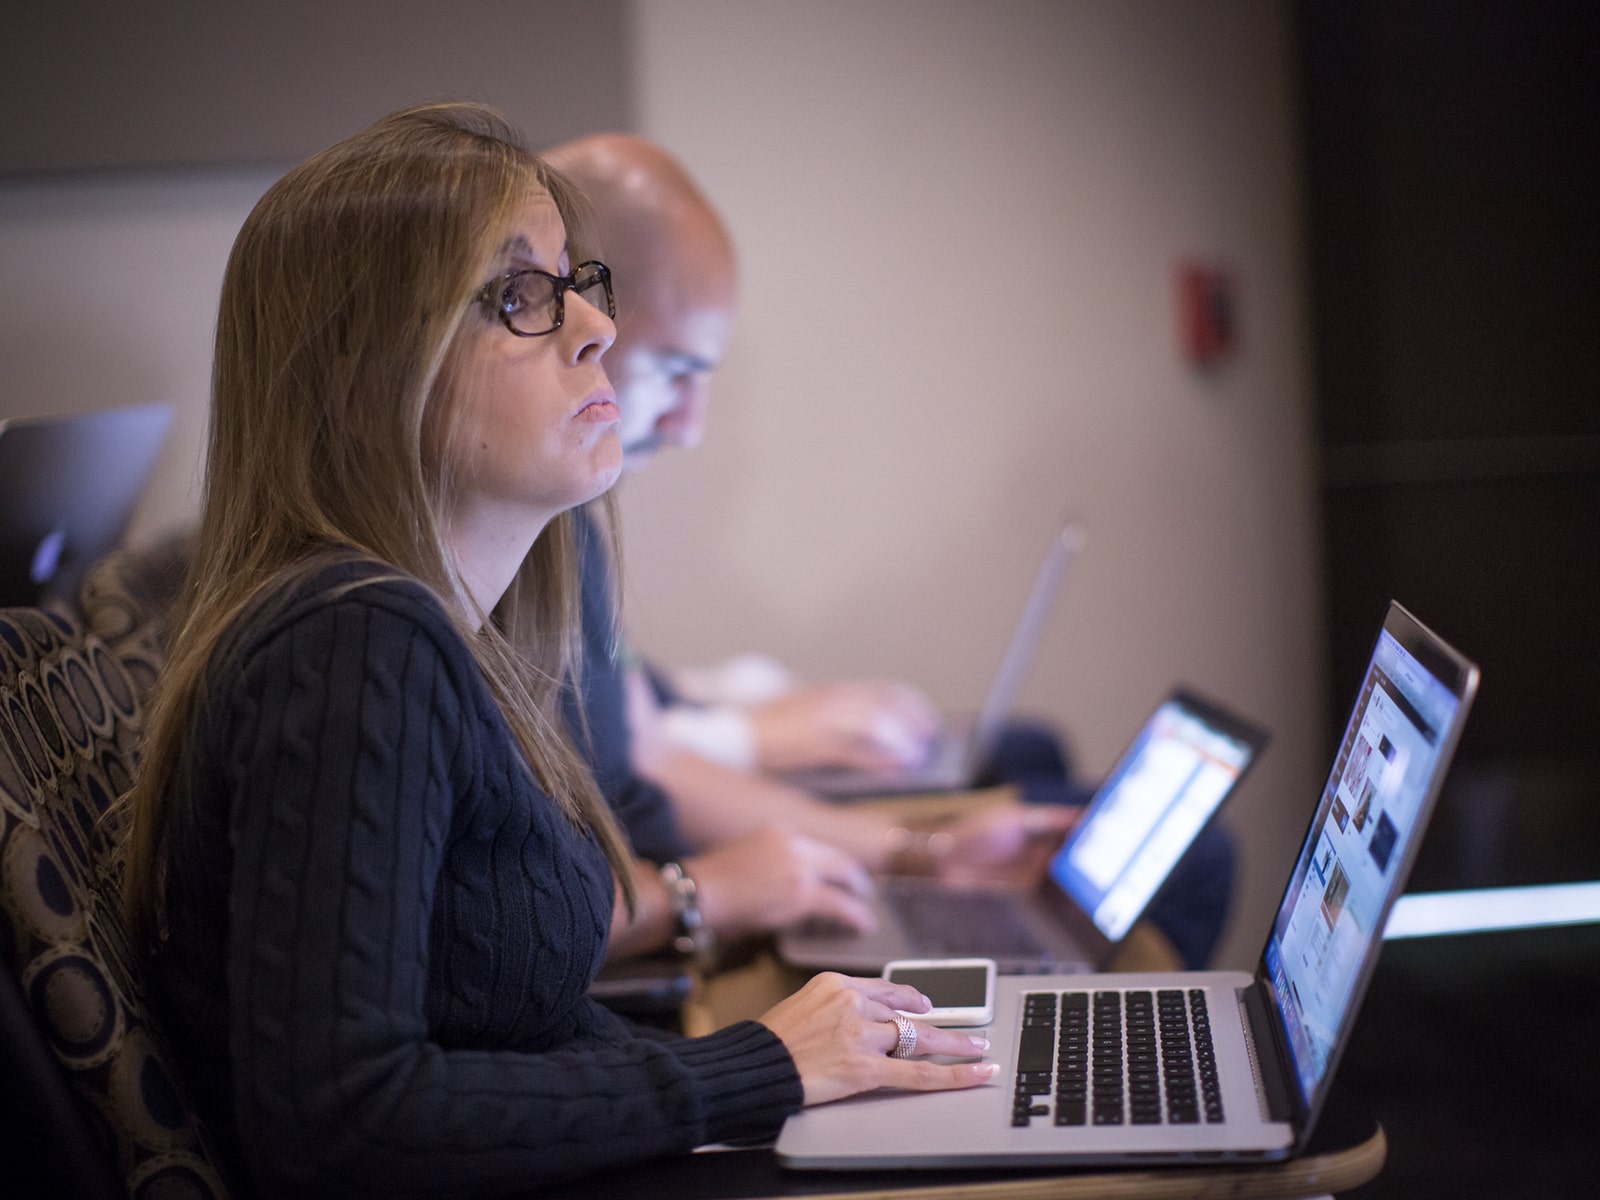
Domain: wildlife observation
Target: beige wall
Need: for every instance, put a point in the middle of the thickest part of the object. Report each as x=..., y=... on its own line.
x=120, y=194
x=110, y=297
x=958, y=223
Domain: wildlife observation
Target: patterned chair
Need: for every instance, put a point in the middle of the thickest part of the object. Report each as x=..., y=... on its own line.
x=127, y=599
x=70, y=714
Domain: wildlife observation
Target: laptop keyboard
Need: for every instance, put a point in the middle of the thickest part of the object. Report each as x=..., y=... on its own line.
x=1115, y=1058
x=945, y=923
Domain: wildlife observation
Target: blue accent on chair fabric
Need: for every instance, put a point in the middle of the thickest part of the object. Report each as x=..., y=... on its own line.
x=71, y=710
x=128, y=598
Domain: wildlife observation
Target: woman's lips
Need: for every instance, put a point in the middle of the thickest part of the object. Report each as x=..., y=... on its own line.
x=600, y=408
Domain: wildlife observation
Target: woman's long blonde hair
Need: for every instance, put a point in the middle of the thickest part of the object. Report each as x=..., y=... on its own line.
x=332, y=403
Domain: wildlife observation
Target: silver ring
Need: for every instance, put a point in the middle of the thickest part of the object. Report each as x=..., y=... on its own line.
x=906, y=1043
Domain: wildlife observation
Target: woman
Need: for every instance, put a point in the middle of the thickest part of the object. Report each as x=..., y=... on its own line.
x=375, y=878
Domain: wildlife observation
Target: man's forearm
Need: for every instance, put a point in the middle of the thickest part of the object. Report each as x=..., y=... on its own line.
x=652, y=925
x=716, y=804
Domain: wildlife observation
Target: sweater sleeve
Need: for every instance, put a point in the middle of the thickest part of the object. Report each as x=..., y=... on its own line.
x=351, y=742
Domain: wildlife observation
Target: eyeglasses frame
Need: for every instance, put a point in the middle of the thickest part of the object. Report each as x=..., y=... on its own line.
x=563, y=284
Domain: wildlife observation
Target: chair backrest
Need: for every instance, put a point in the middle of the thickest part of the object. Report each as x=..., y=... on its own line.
x=127, y=600
x=70, y=715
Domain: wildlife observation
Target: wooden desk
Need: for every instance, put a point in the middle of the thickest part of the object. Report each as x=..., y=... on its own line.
x=1348, y=1150
x=762, y=979
x=746, y=991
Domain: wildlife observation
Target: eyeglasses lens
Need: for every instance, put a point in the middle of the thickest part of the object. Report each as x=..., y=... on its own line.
x=529, y=302
x=532, y=303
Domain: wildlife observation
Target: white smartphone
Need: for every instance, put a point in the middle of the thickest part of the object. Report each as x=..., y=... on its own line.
x=961, y=989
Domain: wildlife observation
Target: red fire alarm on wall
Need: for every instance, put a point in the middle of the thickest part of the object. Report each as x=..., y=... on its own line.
x=1205, y=312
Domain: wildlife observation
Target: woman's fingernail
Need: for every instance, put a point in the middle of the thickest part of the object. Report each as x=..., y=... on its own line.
x=988, y=1070
x=980, y=1043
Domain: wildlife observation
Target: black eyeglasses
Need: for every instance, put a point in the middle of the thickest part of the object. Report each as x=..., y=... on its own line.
x=532, y=303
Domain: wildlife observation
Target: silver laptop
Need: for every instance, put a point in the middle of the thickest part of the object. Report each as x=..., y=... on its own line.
x=962, y=747
x=68, y=486
x=1167, y=786
x=1204, y=1066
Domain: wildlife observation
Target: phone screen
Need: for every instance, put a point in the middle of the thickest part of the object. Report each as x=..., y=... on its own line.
x=946, y=987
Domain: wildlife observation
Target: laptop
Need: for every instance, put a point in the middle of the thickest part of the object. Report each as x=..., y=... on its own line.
x=68, y=487
x=1219, y=1065
x=965, y=743
x=1170, y=782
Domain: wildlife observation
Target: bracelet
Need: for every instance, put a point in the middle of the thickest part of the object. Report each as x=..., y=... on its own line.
x=915, y=851
x=695, y=939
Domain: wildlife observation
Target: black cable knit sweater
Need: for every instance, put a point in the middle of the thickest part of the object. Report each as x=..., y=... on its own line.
x=382, y=930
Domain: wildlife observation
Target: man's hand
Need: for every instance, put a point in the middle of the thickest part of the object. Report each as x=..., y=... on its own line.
x=1001, y=844
x=773, y=878
x=866, y=724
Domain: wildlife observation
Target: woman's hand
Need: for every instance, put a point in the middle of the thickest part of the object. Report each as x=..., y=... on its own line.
x=840, y=1030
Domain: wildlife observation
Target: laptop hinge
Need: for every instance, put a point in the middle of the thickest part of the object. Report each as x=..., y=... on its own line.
x=1258, y=1026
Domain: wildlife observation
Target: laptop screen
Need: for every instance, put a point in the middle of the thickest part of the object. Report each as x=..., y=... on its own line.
x=1364, y=835
x=998, y=701
x=68, y=487
x=1157, y=799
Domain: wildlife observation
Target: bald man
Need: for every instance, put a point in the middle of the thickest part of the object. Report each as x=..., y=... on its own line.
x=758, y=854
x=676, y=286
x=676, y=294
